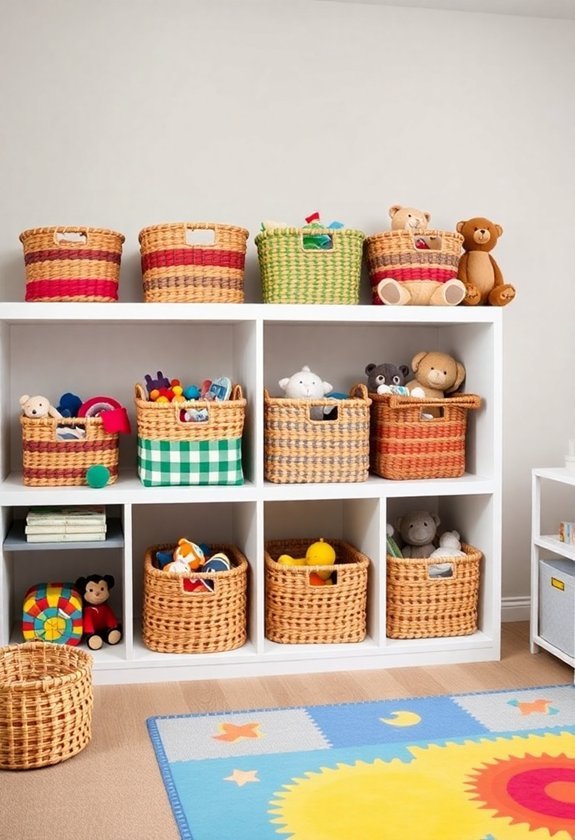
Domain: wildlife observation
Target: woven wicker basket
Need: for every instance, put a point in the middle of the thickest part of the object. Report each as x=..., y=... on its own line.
x=175, y=271
x=420, y=607
x=301, y=450
x=49, y=462
x=175, y=620
x=84, y=268
x=395, y=254
x=45, y=704
x=405, y=445
x=297, y=612
x=172, y=451
x=292, y=274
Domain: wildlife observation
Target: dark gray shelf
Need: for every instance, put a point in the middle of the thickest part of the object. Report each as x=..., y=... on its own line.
x=16, y=539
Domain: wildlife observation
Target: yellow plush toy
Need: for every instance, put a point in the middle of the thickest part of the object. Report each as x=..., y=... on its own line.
x=436, y=373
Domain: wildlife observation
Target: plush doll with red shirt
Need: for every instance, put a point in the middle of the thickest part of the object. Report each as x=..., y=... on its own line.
x=100, y=623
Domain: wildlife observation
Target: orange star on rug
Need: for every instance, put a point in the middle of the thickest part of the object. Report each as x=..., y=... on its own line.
x=231, y=732
x=532, y=707
x=242, y=777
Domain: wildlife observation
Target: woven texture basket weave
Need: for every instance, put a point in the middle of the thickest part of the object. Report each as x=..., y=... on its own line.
x=50, y=462
x=292, y=274
x=172, y=451
x=297, y=612
x=421, y=607
x=406, y=445
x=72, y=264
x=175, y=620
x=45, y=704
x=395, y=254
x=302, y=450
x=175, y=271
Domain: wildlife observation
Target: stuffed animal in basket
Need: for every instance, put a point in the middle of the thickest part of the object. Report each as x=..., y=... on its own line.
x=417, y=531
x=436, y=373
x=449, y=545
x=420, y=292
x=306, y=385
x=478, y=270
x=100, y=623
x=35, y=407
x=387, y=379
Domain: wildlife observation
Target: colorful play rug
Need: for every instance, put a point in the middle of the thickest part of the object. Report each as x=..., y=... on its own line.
x=484, y=766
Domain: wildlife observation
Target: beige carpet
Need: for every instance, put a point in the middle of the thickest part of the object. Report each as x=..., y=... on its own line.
x=113, y=789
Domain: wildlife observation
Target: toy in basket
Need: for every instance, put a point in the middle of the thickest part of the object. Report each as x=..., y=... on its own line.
x=310, y=264
x=190, y=442
x=299, y=607
x=317, y=440
x=72, y=264
x=177, y=270
x=195, y=611
x=411, y=265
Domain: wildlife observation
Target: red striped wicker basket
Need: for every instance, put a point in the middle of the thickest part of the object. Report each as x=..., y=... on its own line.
x=176, y=271
x=72, y=264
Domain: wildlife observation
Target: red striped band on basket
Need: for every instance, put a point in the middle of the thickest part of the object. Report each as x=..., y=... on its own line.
x=193, y=256
x=60, y=472
x=71, y=254
x=65, y=446
x=424, y=272
x=71, y=287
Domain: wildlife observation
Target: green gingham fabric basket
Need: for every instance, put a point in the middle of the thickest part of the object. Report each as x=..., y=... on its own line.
x=173, y=451
x=291, y=273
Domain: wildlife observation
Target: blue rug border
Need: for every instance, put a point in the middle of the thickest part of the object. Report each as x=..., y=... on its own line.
x=164, y=765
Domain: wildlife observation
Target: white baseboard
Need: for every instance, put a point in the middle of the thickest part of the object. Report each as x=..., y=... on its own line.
x=515, y=609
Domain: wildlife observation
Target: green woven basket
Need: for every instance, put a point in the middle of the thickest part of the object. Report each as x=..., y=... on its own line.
x=292, y=274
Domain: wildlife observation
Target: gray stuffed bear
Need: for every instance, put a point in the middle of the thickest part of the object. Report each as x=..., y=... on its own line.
x=417, y=530
x=387, y=378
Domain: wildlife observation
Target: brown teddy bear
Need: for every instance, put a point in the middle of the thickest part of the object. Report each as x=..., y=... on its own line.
x=478, y=271
x=436, y=373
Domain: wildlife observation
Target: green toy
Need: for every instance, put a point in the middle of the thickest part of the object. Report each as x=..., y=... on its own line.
x=97, y=476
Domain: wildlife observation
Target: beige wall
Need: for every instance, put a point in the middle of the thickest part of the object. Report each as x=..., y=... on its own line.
x=123, y=114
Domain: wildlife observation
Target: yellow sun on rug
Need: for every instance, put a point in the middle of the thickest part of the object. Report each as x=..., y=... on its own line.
x=519, y=788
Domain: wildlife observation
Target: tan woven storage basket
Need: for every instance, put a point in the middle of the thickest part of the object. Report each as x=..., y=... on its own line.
x=299, y=450
x=174, y=452
x=174, y=271
x=405, y=445
x=178, y=621
x=297, y=612
x=292, y=274
x=85, y=268
x=45, y=704
x=421, y=607
x=49, y=462
x=395, y=254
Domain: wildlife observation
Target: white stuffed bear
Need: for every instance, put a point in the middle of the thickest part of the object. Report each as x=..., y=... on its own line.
x=305, y=385
x=36, y=407
x=449, y=546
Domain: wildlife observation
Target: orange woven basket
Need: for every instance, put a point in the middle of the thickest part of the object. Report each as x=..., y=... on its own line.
x=175, y=271
x=407, y=444
x=178, y=620
x=75, y=264
x=420, y=606
x=298, y=612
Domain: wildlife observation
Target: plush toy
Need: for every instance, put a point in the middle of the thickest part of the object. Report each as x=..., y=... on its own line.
x=69, y=405
x=437, y=374
x=478, y=270
x=408, y=218
x=100, y=623
x=319, y=553
x=449, y=545
x=187, y=557
x=417, y=530
x=387, y=379
x=305, y=385
x=36, y=407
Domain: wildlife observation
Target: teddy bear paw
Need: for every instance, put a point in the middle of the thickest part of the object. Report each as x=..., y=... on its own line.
x=472, y=296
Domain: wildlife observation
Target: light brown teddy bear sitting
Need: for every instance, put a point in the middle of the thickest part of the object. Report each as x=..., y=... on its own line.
x=436, y=373
x=478, y=270
x=408, y=218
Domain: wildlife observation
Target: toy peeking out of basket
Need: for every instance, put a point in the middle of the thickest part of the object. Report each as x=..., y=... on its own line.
x=412, y=265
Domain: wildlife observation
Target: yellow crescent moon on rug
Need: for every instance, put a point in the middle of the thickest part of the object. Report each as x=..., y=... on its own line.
x=402, y=717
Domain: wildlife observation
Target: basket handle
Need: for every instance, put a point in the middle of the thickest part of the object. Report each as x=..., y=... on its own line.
x=441, y=561
x=324, y=232
x=186, y=585
x=89, y=425
x=193, y=228
x=60, y=235
x=359, y=392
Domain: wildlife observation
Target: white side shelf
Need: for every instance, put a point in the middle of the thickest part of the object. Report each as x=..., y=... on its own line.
x=255, y=344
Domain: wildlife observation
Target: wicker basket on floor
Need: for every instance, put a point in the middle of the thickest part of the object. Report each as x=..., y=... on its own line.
x=421, y=607
x=175, y=271
x=302, y=450
x=72, y=264
x=291, y=273
x=297, y=612
x=52, y=462
x=176, y=619
x=407, y=444
x=45, y=704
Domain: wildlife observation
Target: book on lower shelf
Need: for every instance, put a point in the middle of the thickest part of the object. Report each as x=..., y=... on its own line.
x=89, y=536
x=66, y=524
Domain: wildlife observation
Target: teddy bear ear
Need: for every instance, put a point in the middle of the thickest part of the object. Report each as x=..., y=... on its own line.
x=427, y=216
x=417, y=360
x=24, y=399
x=393, y=210
x=369, y=368
x=460, y=226
x=283, y=383
x=499, y=230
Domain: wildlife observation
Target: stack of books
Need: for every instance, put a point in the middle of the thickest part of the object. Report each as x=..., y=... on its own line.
x=66, y=524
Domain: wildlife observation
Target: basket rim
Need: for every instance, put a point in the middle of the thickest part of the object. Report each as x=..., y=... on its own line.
x=239, y=568
x=364, y=397
x=401, y=234
x=362, y=560
x=44, y=683
x=315, y=231
x=396, y=401
x=26, y=234
x=472, y=554
x=167, y=226
x=143, y=403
